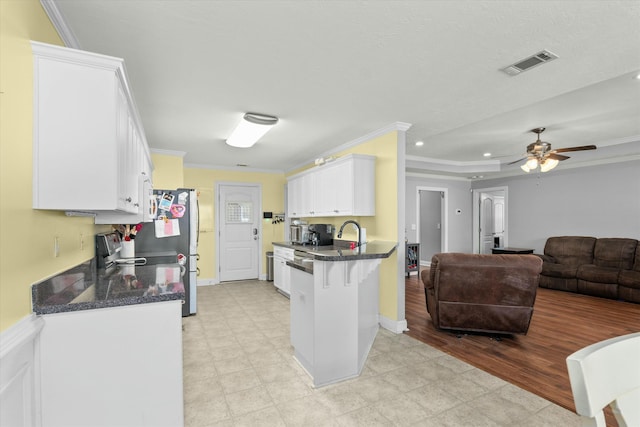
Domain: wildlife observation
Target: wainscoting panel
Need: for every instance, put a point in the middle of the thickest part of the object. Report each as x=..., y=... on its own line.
x=18, y=373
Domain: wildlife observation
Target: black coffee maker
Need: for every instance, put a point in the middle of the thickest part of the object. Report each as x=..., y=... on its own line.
x=321, y=234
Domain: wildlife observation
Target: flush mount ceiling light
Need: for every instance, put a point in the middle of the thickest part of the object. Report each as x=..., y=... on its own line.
x=251, y=128
x=419, y=144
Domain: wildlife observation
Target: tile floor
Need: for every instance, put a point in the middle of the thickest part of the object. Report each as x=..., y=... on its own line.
x=239, y=371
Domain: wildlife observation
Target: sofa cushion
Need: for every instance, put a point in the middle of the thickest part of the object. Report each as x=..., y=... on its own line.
x=629, y=278
x=566, y=271
x=636, y=262
x=594, y=273
x=618, y=253
x=570, y=250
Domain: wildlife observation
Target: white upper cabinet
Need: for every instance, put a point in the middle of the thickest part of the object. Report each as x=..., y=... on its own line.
x=345, y=187
x=294, y=197
x=89, y=148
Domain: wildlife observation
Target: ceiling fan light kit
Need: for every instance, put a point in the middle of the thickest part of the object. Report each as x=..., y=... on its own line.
x=251, y=128
x=539, y=153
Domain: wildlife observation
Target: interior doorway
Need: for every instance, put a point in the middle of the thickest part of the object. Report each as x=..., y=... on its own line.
x=431, y=228
x=238, y=212
x=490, y=219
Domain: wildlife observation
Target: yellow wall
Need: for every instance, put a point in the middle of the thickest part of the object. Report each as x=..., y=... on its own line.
x=27, y=235
x=168, y=171
x=205, y=180
x=383, y=226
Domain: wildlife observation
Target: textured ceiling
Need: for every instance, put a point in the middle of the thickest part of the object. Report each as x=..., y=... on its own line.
x=334, y=71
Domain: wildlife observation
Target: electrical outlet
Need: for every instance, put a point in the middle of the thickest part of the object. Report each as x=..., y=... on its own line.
x=56, y=247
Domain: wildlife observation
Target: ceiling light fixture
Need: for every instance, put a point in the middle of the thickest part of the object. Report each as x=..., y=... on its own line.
x=545, y=164
x=251, y=128
x=419, y=144
x=487, y=154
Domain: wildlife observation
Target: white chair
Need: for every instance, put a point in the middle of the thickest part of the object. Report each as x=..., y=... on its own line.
x=607, y=373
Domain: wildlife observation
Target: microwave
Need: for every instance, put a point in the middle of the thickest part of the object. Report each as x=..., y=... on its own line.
x=299, y=234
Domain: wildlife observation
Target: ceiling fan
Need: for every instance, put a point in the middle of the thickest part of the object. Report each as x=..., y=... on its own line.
x=539, y=153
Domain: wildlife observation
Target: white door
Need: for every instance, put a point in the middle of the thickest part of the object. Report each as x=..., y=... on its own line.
x=490, y=219
x=239, y=210
x=486, y=224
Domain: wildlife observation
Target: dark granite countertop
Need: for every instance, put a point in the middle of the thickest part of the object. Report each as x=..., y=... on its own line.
x=340, y=251
x=85, y=287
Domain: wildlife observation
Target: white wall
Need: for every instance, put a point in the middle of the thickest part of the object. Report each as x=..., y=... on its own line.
x=459, y=197
x=598, y=201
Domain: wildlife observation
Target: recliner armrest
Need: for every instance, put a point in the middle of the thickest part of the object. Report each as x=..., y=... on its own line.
x=547, y=258
x=426, y=279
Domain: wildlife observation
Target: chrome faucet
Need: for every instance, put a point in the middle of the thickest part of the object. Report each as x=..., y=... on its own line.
x=356, y=225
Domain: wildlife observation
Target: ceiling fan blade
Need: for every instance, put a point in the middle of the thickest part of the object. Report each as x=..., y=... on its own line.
x=581, y=148
x=517, y=161
x=557, y=156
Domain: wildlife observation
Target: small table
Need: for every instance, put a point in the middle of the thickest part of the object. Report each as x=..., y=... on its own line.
x=511, y=251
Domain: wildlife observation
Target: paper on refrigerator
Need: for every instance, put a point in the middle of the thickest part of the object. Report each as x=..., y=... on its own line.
x=167, y=227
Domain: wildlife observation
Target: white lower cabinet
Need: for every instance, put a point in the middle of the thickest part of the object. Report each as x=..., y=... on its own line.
x=281, y=271
x=113, y=366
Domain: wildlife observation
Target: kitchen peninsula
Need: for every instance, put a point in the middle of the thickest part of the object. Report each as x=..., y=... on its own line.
x=334, y=307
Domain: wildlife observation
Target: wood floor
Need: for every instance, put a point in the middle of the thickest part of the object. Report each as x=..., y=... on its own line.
x=562, y=323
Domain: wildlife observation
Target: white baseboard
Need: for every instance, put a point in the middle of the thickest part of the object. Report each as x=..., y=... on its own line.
x=395, y=326
x=19, y=364
x=207, y=282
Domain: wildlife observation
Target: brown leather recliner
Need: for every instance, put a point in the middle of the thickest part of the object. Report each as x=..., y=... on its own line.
x=482, y=293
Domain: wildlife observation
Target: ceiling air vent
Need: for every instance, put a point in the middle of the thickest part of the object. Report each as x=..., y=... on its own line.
x=529, y=63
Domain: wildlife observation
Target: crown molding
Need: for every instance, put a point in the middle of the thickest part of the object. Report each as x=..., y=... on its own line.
x=57, y=19
x=231, y=168
x=439, y=165
x=393, y=127
x=414, y=174
x=168, y=152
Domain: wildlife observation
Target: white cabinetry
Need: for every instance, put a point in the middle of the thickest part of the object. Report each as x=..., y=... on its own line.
x=338, y=296
x=345, y=187
x=294, y=197
x=281, y=271
x=113, y=366
x=89, y=147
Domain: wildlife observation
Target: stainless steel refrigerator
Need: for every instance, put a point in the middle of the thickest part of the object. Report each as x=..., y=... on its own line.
x=172, y=237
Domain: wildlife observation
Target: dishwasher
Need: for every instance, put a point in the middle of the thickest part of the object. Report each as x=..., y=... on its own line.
x=281, y=271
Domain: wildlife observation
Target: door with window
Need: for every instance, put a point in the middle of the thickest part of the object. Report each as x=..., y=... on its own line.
x=239, y=231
